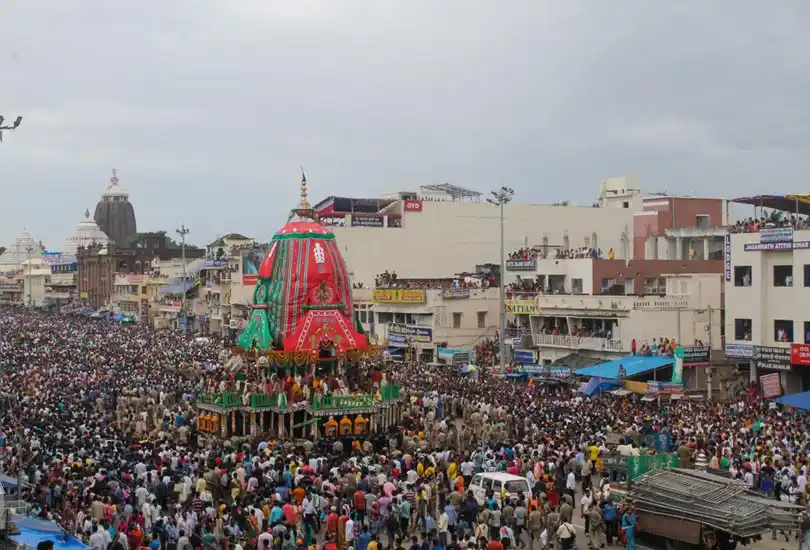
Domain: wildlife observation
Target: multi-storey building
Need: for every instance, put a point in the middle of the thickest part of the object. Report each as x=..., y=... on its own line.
x=443, y=229
x=767, y=274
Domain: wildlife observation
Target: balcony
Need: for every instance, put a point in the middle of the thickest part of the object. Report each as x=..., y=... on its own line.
x=124, y=297
x=621, y=305
x=578, y=342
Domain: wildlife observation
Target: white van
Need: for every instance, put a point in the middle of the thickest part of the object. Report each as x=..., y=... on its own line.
x=497, y=482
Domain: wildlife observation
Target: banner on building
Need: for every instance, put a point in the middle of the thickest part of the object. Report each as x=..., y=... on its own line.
x=452, y=293
x=524, y=356
x=727, y=256
x=664, y=388
x=771, y=385
x=252, y=259
x=697, y=356
x=800, y=354
x=521, y=307
x=402, y=333
x=521, y=265
x=412, y=206
x=396, y=296
x=677, y=368
x=776, y=235
x=367, y=221
x=772, y=357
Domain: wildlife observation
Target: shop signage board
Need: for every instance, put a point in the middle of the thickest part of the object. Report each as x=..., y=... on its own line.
x=697, y=356
x=396, y=296
x=739, y=351
x=772, y=357
x=412, y=205
x=521, y=307
x=771, y=385
x=521, y=265
x=764, y=247
x=800, y=354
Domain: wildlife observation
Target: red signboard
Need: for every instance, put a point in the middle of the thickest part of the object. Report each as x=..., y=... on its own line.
x=771, y=385
x=413, y=206
x=800, y=354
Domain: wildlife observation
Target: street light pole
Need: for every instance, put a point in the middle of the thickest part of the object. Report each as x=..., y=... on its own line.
x=12, y=127
x=183, y=231
x=500, y=198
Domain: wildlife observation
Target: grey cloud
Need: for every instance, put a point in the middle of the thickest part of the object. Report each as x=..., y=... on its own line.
x=208, y=110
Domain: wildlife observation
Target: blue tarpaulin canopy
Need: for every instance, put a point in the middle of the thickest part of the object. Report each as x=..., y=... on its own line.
x=33, y=531
x=796, y=400
x=597, y=385
x=633, y=366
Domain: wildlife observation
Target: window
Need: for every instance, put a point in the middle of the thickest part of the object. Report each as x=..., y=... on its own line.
x=385, y=317
x=782, y=330
x=399, y=318
x=625, y=204
x=363, y=316
x=702, y=221
x=742, y=275
x=783, y=275
x=807, y=275
x=456, y=320
x=482, y=319
x=576, y=286
x=742, y=329
x=806, y=332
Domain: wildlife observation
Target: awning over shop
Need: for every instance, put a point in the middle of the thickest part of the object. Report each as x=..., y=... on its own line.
x=633, y=366
x=796, y=400
x=786, y=203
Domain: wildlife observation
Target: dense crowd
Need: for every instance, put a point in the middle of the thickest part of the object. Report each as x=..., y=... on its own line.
x=101, y=424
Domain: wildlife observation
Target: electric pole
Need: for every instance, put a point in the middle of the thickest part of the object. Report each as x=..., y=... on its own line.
x=11, y=128
x=500, y=198
x=183, y=231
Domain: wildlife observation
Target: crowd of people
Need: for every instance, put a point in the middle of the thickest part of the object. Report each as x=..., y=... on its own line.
x=100, y=422
x=768, y=221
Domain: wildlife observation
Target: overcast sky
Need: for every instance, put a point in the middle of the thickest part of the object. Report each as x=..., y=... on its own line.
x=208, y=107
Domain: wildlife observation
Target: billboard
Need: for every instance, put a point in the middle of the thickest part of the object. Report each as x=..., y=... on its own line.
x=400, y=333
x=771, y=385
x=697, y=356
x=398, y=296
x=412, y=206
x=776, y=235
x=450, y=293
x=252, y=259
x=367, y=221
x=793, y=245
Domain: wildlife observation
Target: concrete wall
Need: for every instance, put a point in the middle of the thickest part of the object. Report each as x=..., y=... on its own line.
x=450, y=237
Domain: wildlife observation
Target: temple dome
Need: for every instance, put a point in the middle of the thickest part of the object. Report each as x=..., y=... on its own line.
x=87, y=233
x=114, y=188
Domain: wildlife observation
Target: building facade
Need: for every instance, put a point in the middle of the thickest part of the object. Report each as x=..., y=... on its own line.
x=441, y=230
x=767, y=327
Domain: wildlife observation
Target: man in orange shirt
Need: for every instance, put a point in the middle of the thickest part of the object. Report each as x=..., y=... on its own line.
x=360, y=505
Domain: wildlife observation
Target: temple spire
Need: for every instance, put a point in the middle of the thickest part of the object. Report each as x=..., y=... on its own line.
x=303, y=204
x=114, y=178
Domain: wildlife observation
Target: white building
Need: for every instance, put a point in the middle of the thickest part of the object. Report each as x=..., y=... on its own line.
x=23, y=247
x=685, y=308
x=442, y=230
x=768, y=305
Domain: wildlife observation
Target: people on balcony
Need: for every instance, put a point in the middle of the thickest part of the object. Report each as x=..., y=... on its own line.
x=772, y=220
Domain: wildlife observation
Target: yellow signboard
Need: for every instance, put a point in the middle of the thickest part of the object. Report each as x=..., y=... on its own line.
x=83, y=296
x=396, y=296
x=521, y=307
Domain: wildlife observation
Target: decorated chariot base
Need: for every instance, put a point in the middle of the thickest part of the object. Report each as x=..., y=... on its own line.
x=303, y=366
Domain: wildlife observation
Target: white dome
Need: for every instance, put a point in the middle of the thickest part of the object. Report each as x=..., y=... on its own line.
x=18, y=252
x=87, y=233
x=113, y=189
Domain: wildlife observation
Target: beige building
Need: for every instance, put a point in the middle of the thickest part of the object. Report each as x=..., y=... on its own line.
x=768, y=305
x=441, y=230
x=426, y=319
x=686, y=308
